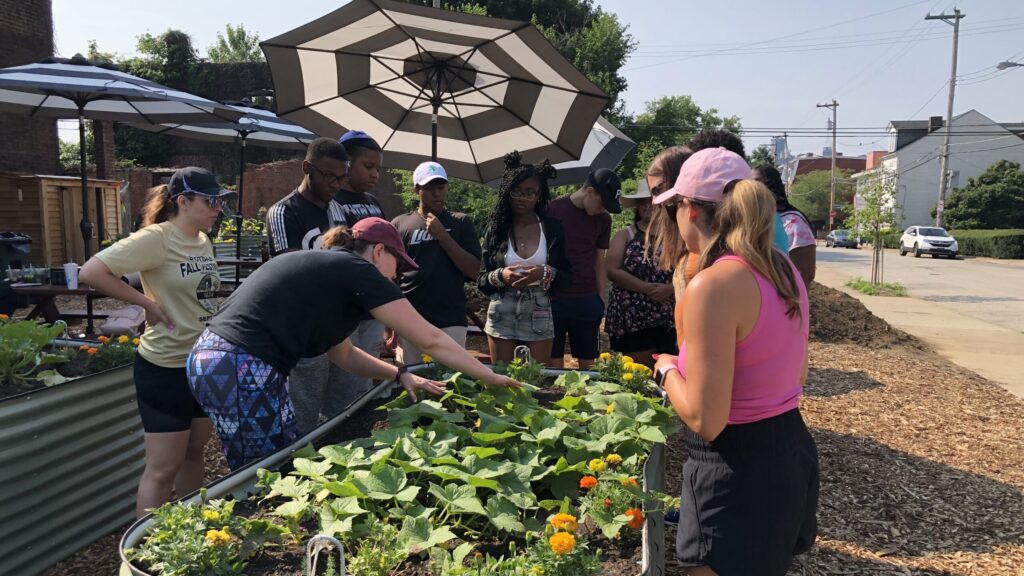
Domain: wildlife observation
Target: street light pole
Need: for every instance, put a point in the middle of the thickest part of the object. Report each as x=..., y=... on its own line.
x=956, y=16
x=832, y=193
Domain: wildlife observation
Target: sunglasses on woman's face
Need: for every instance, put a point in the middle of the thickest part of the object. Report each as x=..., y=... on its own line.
x=672, y=206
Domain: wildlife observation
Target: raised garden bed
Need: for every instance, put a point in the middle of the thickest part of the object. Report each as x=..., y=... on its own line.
x=478, y=480
x=72, y=452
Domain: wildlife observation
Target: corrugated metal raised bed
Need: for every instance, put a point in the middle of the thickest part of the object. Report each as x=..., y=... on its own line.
x=70, y=460
x=242, y=483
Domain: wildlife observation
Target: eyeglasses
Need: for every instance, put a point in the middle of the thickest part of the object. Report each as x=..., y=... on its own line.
x=528, y=194
x=331, y=178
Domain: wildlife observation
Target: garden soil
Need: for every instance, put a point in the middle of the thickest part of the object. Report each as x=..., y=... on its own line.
x=922, y=462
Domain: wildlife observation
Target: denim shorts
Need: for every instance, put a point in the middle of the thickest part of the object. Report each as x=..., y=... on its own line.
x=520, y=315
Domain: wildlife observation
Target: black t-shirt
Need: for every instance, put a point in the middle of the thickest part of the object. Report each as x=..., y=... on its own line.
x=294, y=223
x=356, y=206
x=300, y=304
x=436, y=289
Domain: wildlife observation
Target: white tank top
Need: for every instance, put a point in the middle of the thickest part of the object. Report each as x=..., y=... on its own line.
x=539, y=258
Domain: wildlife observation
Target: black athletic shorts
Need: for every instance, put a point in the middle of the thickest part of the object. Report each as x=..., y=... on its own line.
x=577, y=318
x=661, y=339
x=165, y=399
x=750, y=498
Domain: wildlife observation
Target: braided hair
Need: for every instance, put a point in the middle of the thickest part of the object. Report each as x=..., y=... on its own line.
x=500, y=222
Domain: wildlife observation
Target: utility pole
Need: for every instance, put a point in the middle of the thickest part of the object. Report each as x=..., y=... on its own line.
x=956, y=16
x=832, y=195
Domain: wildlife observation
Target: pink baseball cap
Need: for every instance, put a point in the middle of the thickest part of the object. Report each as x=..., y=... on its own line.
x=705, y=175
x=380, y=231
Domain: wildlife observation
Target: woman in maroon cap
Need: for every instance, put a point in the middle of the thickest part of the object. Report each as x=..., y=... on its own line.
x=301, y=305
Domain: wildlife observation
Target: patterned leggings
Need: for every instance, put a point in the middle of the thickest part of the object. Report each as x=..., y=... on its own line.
x=246, y=398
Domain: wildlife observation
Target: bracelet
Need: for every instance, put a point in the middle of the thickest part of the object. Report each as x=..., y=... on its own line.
x=494, y=278
x=402, y=369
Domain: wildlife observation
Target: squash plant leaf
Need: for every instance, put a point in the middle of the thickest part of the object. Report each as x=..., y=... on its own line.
x=504, y=515
x=307, y=467
x=418, y=535
x=387, y=483
x=459, y=498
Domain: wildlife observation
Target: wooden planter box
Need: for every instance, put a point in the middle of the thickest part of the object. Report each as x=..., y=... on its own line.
x=71, y=456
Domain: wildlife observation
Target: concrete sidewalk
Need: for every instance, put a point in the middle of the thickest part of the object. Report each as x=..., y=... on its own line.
x=995, y=352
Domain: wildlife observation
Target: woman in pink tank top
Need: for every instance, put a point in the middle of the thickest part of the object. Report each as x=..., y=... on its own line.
x=750, y=482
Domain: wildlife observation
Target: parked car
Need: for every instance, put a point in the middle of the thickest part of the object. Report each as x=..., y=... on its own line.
x=841, y=239
x=928, y=240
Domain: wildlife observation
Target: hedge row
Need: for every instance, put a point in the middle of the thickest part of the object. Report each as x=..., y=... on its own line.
x=990, y=243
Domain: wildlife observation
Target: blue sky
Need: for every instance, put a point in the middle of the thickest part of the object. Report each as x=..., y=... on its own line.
x=767, y=62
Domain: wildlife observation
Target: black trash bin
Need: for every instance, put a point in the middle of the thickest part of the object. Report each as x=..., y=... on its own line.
x=14, y=249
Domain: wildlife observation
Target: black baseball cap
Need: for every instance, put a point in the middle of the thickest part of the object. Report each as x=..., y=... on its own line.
x=194, y=180
x=608, y=185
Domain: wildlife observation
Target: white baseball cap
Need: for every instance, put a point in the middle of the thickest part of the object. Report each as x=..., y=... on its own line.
x=428, y=172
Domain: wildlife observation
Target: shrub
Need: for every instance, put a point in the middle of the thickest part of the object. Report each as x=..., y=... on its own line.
x=990, y=243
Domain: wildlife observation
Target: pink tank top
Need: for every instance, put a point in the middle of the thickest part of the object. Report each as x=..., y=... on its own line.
x=770, y=360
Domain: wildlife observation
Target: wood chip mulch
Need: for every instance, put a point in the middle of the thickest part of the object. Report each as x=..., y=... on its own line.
x=922, y=462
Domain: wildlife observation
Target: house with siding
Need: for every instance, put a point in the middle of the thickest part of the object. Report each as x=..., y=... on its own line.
x=913, y=162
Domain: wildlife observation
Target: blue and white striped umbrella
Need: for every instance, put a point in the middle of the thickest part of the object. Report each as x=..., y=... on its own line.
x=256, y=126
x=77, y=88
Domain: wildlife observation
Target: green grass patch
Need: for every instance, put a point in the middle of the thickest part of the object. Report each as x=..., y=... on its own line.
x=883, y=289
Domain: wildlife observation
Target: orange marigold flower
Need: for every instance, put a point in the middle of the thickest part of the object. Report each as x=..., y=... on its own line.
x=103, y=339
x=83, y=347
x=92, y=351
x=4, y=317
x=607, y=502
x=636, y=518
x=562, y=543
x=566, y=522
x=588, y=482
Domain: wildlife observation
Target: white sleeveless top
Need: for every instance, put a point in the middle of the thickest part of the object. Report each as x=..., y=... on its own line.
x=539, y=258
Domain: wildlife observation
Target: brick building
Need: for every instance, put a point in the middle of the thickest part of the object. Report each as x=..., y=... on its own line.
x=26, y=36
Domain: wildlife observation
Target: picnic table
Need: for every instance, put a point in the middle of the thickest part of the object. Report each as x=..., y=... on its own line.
x=46, y=302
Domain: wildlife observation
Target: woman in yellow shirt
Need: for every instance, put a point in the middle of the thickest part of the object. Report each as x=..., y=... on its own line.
x=174, y=257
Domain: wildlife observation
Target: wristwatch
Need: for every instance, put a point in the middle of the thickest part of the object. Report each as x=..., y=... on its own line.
x=402, y=369
x=660, y=373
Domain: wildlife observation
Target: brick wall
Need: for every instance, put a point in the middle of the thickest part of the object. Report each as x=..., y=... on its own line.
x=28, y=145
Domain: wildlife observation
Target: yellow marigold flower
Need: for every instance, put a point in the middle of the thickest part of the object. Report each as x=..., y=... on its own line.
x=609, y=409
x=564, y=522
x=211, y=515
x=135, y=341
x=103, y=339
x=538, y=570
x=596, y=465
x=477, y=424
x=627, y=359
x=217, y=538
x=122, y=339
x=427, y=359
x=613, y=459
x=92, y=351
x=605, y=356
x=627, y=376
x=562, y=543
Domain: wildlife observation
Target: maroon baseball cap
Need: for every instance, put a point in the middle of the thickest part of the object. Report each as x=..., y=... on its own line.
x=380, y=231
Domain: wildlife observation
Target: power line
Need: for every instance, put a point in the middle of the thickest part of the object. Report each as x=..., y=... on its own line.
x=797, y=33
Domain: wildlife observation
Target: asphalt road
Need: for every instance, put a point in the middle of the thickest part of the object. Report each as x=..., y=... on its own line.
x=982, y=288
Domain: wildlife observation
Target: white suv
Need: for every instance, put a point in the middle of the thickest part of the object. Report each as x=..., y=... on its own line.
x=928, y=240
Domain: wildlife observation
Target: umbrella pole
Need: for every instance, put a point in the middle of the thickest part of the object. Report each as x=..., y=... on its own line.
x=433, y=134
x=85, y=225
x=238, y=215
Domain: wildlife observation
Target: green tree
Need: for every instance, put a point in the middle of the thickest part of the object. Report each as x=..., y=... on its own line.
x=236, y=45
x=993, y=200
x=874, y=214
x=810, y=193
x=761, y=156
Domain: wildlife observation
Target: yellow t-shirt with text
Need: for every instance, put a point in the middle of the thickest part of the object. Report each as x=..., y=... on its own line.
x=179, y=273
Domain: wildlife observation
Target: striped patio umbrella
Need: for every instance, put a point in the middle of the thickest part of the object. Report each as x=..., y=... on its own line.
x=459, y=88
x=77, y=88
x=257, y=126
x=605, y=148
